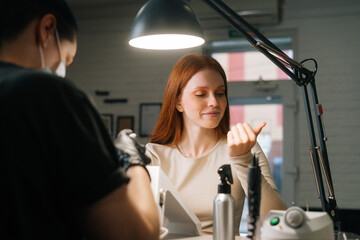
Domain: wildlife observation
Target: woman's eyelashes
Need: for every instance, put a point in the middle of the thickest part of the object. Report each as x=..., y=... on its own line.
x=203, y=94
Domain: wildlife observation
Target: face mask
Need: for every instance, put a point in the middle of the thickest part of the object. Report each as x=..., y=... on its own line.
x=61, y=69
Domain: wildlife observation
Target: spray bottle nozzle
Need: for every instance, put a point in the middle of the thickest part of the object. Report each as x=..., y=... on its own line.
x=226, y=178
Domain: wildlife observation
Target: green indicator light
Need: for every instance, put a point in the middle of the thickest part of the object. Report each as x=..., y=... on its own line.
x=274, y=221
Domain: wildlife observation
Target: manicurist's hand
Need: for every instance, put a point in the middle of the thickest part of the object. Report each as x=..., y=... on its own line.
x=242, y=137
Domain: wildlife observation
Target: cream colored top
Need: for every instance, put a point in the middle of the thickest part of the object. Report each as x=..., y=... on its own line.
x=196, y=179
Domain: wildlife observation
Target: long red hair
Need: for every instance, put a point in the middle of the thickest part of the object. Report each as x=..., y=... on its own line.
x=169, y=126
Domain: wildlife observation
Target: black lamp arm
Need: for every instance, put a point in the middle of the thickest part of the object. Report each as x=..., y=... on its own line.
x=302, y=77
x=227, y=13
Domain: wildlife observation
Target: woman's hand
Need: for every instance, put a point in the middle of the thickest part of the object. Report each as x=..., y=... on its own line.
x=241, y=138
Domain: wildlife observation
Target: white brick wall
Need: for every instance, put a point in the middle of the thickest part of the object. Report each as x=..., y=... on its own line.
x=328, y=31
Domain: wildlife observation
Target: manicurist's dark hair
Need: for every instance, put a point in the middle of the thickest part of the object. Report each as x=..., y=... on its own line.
x=15, y=15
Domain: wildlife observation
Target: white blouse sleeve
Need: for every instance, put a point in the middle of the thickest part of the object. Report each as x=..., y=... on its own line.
x=270, y=196
x=150, y=153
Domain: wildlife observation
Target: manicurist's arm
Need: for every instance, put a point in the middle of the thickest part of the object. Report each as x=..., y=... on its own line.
x=129, y=212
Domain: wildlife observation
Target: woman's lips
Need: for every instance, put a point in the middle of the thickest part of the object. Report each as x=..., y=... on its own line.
x=212, y=114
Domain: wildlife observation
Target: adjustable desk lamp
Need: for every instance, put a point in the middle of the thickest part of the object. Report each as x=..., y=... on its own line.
x=169, y=19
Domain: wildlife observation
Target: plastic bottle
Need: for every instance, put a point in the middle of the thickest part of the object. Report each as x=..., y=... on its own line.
x=224, y=207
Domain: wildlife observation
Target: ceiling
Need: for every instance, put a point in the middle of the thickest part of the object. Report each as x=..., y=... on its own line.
x=257, y=12
x=89, y=3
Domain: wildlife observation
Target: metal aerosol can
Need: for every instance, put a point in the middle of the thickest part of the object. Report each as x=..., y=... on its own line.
x=224, y=207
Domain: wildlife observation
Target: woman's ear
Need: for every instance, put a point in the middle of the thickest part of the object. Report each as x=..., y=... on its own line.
x=46, y=29
x=179, y=107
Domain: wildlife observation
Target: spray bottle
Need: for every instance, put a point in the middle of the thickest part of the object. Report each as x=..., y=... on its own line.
x=224, y=207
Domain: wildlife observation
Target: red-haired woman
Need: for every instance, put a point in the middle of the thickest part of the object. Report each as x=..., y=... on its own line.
x=192, y=139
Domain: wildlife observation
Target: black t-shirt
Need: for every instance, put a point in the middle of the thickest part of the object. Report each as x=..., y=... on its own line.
x=56, y=156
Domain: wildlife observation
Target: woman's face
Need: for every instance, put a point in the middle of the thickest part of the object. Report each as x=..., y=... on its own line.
x=203, y=101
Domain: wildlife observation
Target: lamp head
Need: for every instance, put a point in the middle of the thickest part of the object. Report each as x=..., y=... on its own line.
x=166, y=24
